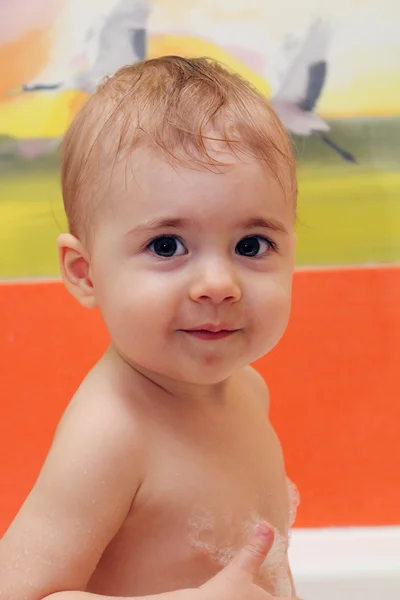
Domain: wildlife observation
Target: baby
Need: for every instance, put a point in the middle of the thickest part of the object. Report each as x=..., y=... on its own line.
x=165, y=476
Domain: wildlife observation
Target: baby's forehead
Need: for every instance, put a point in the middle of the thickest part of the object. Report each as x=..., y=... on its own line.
x=146, y=165
x=147, y=187
x=149, y=180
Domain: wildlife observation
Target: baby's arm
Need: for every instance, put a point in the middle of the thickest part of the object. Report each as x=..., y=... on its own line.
x=79, y=502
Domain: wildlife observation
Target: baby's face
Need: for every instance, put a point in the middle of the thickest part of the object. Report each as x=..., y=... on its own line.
x=181, y=250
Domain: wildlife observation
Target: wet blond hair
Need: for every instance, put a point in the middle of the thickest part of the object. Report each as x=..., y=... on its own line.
x=174, y=105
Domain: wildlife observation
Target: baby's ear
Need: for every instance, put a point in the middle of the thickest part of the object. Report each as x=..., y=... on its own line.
x=75, y=269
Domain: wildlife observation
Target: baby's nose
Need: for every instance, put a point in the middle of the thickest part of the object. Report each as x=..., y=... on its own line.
x=215, y=283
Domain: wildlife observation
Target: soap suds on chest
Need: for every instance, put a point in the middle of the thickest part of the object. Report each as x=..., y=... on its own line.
x=220, y=539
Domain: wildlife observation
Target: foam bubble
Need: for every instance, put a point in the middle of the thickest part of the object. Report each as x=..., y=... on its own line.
x=204, y=538
x=294, y=500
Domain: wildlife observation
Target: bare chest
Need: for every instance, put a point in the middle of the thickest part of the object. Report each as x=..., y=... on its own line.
x=197, y=507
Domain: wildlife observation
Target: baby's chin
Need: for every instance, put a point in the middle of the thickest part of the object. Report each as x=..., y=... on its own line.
x=205, y=369
x=201, y=377
x=211, y=373
x=196, y=375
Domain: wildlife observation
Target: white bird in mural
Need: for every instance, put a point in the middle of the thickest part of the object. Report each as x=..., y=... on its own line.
x=113, y=41
x=301, y=87
x=116, y=40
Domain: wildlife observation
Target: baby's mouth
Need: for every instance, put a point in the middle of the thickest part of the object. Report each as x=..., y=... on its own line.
x=211, y=332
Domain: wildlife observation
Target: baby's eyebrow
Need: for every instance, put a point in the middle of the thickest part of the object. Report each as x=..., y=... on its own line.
x=156, y=224
x=268, y=223
x=185, y=223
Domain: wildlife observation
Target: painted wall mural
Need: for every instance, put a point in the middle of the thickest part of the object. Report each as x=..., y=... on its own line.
x=331, y=70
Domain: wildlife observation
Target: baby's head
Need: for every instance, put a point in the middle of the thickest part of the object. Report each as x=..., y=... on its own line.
x=179, y=186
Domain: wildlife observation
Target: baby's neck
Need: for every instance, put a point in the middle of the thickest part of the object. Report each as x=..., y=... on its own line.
x=133, y=375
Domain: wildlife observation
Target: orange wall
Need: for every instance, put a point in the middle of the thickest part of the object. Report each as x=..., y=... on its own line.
x=334, y=383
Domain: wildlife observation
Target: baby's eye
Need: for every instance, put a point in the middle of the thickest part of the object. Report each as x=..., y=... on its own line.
x=167, y=246
x=253, y=245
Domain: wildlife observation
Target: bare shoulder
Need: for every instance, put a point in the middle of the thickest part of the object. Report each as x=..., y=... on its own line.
x=100, y=411
x=80, y=500
x=255, y=382
x=100, y=429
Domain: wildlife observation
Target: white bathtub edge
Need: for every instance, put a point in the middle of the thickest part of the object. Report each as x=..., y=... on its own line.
x=350, y=562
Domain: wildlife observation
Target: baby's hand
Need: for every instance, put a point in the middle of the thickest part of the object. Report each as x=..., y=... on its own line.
x=237, y=580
